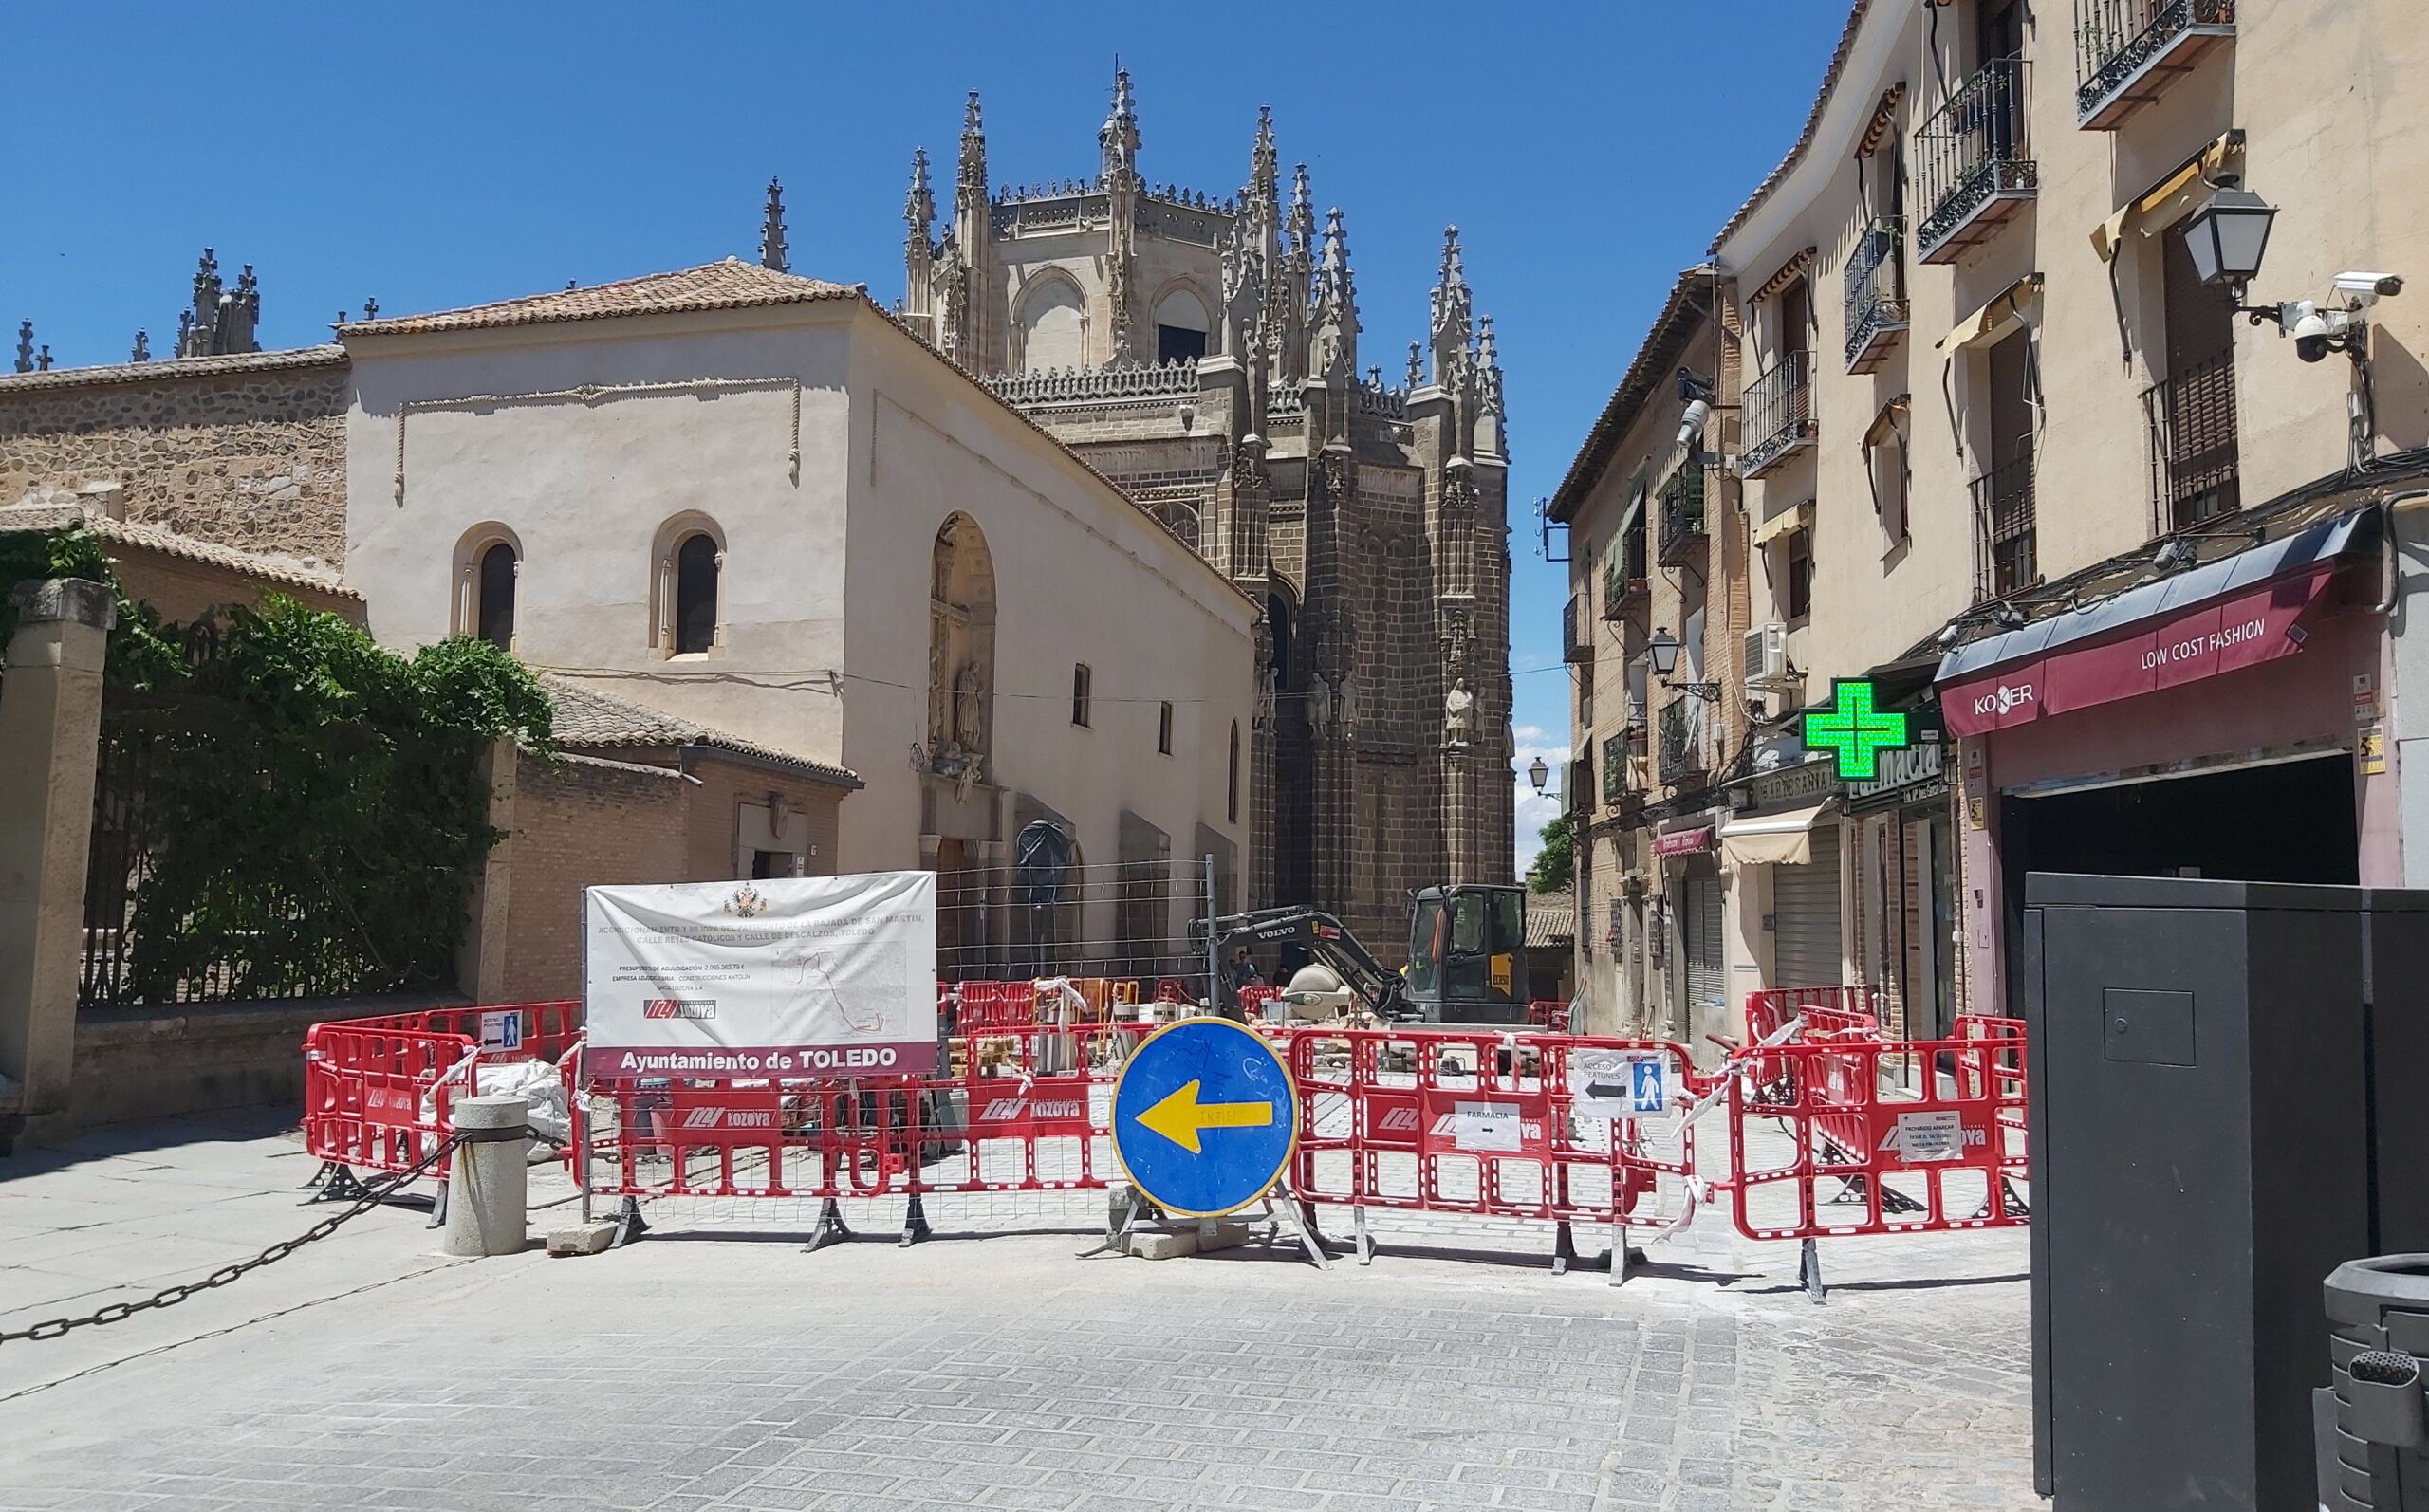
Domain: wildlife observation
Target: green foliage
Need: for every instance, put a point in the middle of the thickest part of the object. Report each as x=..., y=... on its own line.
x=1556, y=863
x=34, y=554
x=304, y=810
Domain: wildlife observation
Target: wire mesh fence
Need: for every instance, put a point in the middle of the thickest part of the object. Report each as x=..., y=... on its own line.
x=1044, y=917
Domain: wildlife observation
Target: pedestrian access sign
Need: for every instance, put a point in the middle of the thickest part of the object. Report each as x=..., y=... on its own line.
x=1204, y=1118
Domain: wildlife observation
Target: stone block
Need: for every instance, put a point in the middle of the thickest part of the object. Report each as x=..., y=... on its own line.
x=581, y=1239
x=1175, y=1241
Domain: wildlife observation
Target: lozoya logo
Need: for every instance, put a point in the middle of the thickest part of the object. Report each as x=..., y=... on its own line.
x=679, y=1009
x=1398, y=1120
x=2002, y=699
x=1005, y=1108
x=730, y=1118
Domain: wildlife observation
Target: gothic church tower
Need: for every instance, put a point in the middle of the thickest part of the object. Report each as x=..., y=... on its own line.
x=1202, y=352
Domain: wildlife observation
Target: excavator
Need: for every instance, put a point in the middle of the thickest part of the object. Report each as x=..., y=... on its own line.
x=1466, y=952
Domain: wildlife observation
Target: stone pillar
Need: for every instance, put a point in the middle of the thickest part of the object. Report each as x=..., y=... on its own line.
x=50, y=723
x=488, y=1185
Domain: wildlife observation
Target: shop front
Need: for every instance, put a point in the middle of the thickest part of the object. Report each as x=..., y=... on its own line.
x=1695, y=899
x=2221, y=722
x=1904, y=886
x=1784, y=841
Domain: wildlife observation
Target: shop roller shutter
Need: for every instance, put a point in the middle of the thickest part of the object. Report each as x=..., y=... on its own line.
x=1804, y=916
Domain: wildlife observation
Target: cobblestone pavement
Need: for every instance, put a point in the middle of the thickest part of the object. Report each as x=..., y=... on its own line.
x=714, y=1365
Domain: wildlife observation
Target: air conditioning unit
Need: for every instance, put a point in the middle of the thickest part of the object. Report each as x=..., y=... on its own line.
x=1765, y=659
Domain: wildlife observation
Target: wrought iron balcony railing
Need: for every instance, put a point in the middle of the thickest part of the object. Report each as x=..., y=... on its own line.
x=1779, y=412
x=1681, y=503
x=1682, y=738
x=2004, y=560
x=1576, y=644
x=1624, y=582
x=1579, y=794
x=1974, y=162
x=1876, y=293
x=2126, y=51
x=2194, y=473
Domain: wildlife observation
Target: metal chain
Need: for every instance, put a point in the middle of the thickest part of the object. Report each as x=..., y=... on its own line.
x=374, y=1193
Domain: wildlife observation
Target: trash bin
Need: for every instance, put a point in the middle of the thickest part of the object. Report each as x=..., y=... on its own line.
x=2371, y=1426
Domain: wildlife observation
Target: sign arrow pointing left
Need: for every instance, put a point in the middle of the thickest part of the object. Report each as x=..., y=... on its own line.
x=1181, y=1117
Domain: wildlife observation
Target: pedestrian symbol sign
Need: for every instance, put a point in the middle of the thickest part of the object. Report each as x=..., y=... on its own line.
x=1648, y=1086
x=1204, y=1118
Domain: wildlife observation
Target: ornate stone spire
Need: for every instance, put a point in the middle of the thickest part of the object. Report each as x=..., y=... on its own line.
x=919, y=205
x=1286, y=294
x=238, y=313
x=143, y=352
x=42, y=358
x=970, y=189
x=1452, y=322
x=1336, y=309
x=1491, y=441
x=1118, y=145
x=198, y=328
x=25, y=346
x=1264, y=164
x=772, y=246
x=1303, y=219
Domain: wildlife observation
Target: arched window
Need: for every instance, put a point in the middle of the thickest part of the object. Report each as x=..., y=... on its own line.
x=1053, y=325
x=1233, y=788
x=696, y=567
x=1182, y=327
x=496, y=595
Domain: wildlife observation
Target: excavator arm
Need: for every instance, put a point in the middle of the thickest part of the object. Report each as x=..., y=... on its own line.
x=1378, y=988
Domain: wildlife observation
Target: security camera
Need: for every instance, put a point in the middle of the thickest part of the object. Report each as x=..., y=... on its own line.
x=2365, y=288
x=1691, y=424
x=2311, y=334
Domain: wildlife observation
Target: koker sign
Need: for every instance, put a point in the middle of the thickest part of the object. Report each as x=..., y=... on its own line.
x=2243, y=629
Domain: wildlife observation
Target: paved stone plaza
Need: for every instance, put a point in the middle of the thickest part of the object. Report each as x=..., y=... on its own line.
x=719, y=1367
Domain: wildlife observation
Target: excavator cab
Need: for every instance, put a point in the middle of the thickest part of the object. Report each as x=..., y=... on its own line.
x=1467, y=949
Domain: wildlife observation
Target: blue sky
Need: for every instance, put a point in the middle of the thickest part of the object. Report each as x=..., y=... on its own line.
x=435, y=156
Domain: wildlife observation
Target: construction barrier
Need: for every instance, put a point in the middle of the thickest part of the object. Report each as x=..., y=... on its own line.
x=1483, y=1124
x=377, y=1092
x=1876, y=1137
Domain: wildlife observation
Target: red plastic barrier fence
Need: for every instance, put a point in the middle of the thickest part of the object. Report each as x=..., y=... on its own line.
x=1883, y=1136
x=1478, y=1124
x=1548, y=1015
x=379, y=1092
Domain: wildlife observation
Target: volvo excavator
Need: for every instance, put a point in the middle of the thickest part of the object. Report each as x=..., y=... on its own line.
x=1466, y=959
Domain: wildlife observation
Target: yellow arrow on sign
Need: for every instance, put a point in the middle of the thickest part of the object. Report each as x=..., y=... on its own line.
x=1180, y=1117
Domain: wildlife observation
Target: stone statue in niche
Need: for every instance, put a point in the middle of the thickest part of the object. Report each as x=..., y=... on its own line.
x=1459, y=713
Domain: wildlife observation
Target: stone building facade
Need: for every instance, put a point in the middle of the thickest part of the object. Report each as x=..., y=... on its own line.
x=1202, y=353
x=246, y=449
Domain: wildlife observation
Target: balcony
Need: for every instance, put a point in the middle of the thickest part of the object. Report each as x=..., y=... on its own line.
x=1876, y=294
x=1779, y=414
x=1625, y=586
x=1577, y=792
x=2191, y=421
x=1681, y=739
x=1681, y=503
x=1617, y=788
x=2128, y=51
x=2003, y=552
x=1576, y=644
x=1975, y=164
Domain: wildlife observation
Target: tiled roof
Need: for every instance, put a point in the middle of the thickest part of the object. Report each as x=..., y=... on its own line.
x=588, y=719
x=1551, y=918
x=1812, y=123
x=178, y=367
x=730, y=285
x=267, y=567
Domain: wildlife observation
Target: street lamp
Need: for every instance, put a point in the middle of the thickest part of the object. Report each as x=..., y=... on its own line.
x=2227, y=236
x=1662, y=650
x=1538, y=774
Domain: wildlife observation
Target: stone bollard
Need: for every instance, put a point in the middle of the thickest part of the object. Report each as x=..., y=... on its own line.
x=486, y=1190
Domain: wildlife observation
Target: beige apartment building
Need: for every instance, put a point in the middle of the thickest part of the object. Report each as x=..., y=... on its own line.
x=2112, y=529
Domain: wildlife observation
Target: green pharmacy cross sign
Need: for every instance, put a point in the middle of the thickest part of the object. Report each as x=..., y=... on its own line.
x=1855, y=732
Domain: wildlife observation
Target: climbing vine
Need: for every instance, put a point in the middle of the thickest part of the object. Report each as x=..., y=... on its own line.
x=286, y=807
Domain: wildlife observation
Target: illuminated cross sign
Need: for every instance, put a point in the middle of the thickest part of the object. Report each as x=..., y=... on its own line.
x=1855, y=732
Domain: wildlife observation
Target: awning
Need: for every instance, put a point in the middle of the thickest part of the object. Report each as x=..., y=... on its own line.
x=1683, y=841
x=1800, y=518
x=2165, y=202
x=1995, y=319
x=2236, y=611
x=1785, y=839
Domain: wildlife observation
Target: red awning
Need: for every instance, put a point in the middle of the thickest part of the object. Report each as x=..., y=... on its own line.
x=2260, y=623
x=1683, y=842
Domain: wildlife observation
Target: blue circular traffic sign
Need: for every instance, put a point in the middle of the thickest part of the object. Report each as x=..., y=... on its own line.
x=1204, y=1118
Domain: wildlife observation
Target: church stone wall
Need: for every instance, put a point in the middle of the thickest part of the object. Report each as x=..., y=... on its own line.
x=246, y=451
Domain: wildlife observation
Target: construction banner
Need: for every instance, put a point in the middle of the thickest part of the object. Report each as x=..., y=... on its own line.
x=789, y=977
